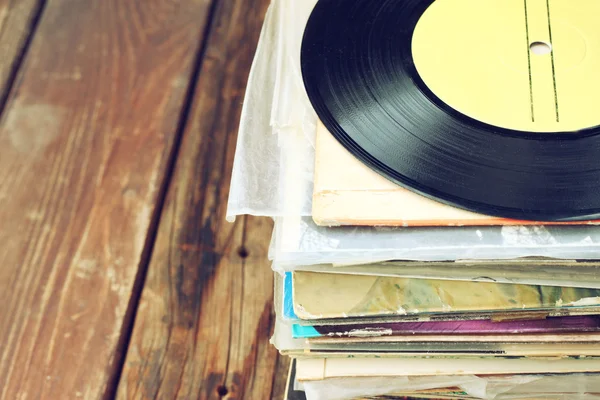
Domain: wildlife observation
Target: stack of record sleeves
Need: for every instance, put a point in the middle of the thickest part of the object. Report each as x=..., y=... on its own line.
x=433, y=171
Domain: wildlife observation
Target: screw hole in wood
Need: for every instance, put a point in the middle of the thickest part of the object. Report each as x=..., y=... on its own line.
x=243, y=252
x=222, y=391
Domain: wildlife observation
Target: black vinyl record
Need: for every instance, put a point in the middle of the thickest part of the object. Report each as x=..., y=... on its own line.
x=360, y=76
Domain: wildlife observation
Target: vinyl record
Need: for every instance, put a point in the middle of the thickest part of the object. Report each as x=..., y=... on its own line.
x=452, y=100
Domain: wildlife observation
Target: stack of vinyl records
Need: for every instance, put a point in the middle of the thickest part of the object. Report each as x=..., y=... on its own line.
x=433, y=171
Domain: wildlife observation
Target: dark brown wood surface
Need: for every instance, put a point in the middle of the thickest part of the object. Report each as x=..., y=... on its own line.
x=87, y=139
x=206, y=312
x=119, y=276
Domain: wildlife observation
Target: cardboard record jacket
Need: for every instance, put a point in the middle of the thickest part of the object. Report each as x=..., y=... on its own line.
x=448, y=99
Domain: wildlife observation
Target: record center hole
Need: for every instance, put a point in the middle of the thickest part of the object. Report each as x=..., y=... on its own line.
x=540, y=48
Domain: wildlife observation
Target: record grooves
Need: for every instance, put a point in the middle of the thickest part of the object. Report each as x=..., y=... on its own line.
x=360, y=76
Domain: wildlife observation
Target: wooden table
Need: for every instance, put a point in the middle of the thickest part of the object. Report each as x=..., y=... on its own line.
x=119, y=276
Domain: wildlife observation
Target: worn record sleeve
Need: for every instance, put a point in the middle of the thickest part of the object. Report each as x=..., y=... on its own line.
x=319, y=296
x=347, y=192
x=552, y=325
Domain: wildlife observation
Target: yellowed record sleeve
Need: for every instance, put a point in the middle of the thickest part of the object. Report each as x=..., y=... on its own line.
x=322, y=295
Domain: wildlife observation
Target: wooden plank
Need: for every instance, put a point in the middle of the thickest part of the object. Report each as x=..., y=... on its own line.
x=279, y=382
x=16, y=20
x=206, y=312
x=85, y=139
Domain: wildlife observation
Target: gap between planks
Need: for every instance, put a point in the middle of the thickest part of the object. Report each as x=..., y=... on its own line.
x=16, y=48
x=138, y=286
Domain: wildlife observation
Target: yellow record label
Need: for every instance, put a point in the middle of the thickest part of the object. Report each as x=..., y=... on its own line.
x=529, y=65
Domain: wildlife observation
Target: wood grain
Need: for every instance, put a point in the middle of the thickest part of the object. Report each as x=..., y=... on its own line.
x=206, y=311
x=16, y=20
x=86, y=138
